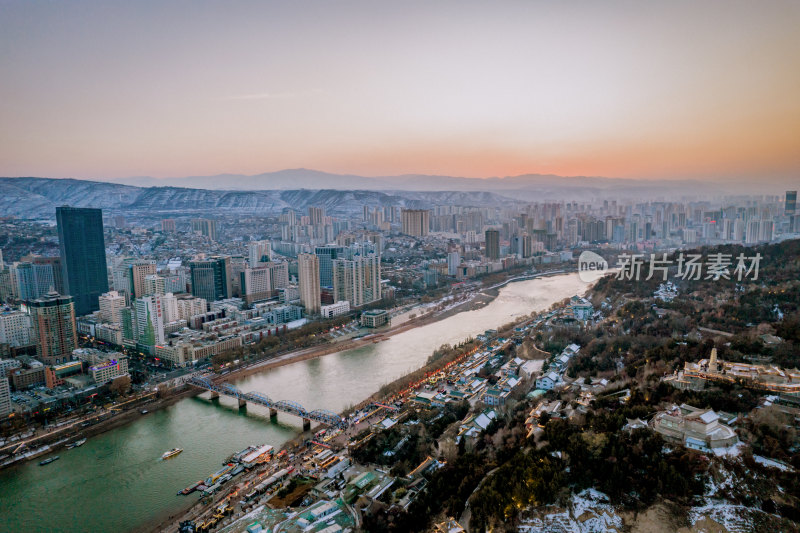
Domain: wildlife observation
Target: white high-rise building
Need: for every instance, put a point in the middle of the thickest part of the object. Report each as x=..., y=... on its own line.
x=358, y=280
x=5, y=398
x=15, y=328
x=111, y=303
x=188, y=307
x=154, y=284
x=308, y=277
x=169, y=305
x=453, y=260
x=259, y=252
x=149, y=320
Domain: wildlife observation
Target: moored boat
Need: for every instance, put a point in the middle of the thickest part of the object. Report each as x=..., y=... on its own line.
x=48, y=461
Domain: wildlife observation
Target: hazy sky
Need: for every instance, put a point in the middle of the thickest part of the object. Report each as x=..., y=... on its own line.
x=629, y=89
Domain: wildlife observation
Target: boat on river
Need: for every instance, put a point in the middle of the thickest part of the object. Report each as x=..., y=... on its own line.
x=172, y=453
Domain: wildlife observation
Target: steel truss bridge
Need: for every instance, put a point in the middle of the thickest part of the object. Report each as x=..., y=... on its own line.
x=322, y=416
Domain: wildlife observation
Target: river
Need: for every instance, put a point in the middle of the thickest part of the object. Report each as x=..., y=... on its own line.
x=117, y=481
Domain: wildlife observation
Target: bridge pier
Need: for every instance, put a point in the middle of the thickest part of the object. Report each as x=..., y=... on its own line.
x=214, y=395
x=306, y=424
x=273, y=413
x=242, y=404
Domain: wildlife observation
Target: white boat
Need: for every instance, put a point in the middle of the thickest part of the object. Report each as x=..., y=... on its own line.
x=172, y=453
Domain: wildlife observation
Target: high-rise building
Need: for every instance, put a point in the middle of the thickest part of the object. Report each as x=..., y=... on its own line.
x=492, y=244
x=111, y=303
x=53, y=318
x=256, y=284
x=15, y=328
x=316, y=215
x=205, y=226
x=168, y=225
x=416, y=222
x=326, y=255
x=211, y=278
x=149, y=312
x=791, y=202
x=453, y=260
x=154, y=284
x=259, y=252
x=308, y=277
x=189, y=306
x=5, y=398
x=83, y=256
x=358, y=280
x=137, y=272
x=57, y=271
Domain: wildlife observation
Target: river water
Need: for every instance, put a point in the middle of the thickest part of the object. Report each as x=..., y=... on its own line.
x=117, y=481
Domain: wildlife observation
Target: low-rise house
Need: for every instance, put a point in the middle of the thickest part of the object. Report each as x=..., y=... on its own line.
x=548, y=381
x=473, y=426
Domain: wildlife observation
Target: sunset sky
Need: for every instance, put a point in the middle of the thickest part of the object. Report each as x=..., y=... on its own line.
x=668, y=89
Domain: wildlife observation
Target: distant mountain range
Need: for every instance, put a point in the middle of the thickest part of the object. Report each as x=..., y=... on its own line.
x=39, y=197
x=302, y=178
x=341, y=194
x=526, y=186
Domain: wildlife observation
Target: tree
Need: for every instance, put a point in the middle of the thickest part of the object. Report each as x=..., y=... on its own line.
x=120, y=385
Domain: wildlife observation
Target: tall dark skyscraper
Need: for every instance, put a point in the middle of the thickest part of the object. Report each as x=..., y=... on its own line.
x=83, y=256
x=211, y=278
x=791, y=202
x=492, y=244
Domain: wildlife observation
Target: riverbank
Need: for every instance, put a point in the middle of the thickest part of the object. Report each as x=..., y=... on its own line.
x=386, y=392
x=106, y=421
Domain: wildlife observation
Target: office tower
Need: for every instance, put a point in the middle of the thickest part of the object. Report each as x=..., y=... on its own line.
x=137, y=272
x=358, y=280
x=326, y=255
x=211, y=278
x=154, y=284
x=5, y=398
x=259, y=252
x=168, y=225
x=175, y=282
x=83, y=256
x=57, y=272
x=791, y=202
x=149, y=320
x=205, y=226
x=453, y=260
x=308, y=277
x=111, y=303
x=53, y=318
x=316, y=215
x=26, y=281
x=256, y=284
x=15, y=328
x=416, y=222
x=492, y=244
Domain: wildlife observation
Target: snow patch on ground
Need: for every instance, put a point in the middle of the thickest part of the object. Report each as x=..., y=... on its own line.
x=771, y=463
x=589, y=511
x=734, y=518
